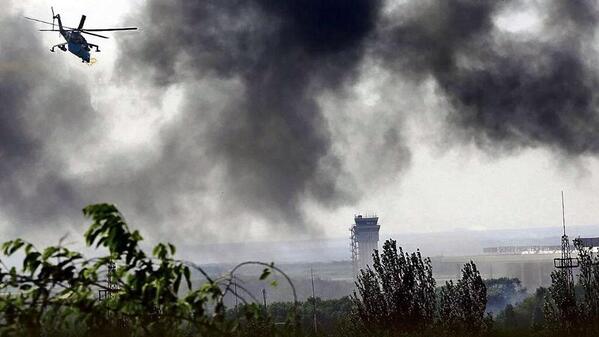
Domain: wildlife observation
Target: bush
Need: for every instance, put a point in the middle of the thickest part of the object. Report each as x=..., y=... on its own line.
x=54, y=292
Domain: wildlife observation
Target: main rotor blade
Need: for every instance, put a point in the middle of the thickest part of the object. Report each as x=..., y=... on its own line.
x=109, y=29
x=98, y=35
x=49, y=30
x=46, y=22
x=81, y=22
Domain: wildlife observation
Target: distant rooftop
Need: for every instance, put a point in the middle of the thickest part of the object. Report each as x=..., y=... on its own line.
x=530, y=249
x=588, y=242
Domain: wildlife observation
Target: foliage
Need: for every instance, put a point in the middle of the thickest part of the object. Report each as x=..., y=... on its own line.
x=574, y=309
x=503, y=291
x=398, y=293
x=561, y=309
x=329, y=313
x=462, y=305
x=524, y=316
x=54, y=292
x=588, y=281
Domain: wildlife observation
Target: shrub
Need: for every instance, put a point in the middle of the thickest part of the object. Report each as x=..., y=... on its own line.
x=54, y=292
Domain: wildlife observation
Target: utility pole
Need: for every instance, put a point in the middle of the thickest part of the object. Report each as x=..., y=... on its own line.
x=264, y=299
x=236, y=298
x=313, y=301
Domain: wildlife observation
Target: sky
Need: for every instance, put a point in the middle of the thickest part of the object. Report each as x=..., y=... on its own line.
x=260, y=120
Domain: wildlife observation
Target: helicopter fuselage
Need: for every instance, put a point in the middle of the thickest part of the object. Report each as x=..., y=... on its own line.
x=77, y=44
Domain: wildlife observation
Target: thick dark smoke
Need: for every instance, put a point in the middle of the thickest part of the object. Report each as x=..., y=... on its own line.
x=272, y=139
x=250, y=136
x=40, y=113
x=505, y=91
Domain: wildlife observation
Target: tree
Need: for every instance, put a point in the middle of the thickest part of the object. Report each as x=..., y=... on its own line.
x=397, y=293
x=462, y=304
x=588, y=281
x=525, y=315
x=574, y=309
x=503, y=291
x=508, y=317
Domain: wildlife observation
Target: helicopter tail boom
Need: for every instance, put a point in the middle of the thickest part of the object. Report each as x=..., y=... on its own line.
x=60, y=27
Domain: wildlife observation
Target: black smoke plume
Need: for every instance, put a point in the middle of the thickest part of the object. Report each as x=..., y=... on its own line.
x=505, y=90
x=271, y=138
x=251, y=136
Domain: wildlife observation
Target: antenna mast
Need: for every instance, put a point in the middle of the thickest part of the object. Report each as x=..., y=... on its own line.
x=563, y=214
x=566, y=263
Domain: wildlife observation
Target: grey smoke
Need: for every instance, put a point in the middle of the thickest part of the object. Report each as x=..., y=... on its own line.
x=504, y=91
x=271, y=139
x=40, y=112
x=251, y=137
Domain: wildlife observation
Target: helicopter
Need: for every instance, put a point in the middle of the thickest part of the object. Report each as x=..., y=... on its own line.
x=75, y=42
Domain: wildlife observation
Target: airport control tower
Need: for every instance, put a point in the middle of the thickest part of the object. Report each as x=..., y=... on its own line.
x=364, y=239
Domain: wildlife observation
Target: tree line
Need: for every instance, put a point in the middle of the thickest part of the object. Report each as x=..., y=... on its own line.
x=54, y=292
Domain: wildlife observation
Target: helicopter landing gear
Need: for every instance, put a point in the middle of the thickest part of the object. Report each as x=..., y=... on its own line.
x=60, y=46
